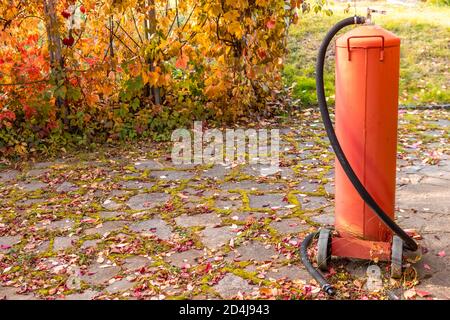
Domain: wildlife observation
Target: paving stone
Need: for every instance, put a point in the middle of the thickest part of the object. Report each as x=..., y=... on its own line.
x=118, y=193
x=288, y=272
x=228, y=204
x=30, y=186
x=86, y=295
x=249, y=185
x=6, y=242
x=10, y=293
x=148, y=165
x=106, y=227
x=230, y=285
x=246, y=216
x=329, y=188
x=289, y=226
x=195, y=192
x=326, y=219
x=435, y=181
x=313, y=203
x=439, y=292
x=411, y=169
x=287, y=173
x=30, y=202
x=111, y=214
x=256, y=251
x=172, y=175
x=8, y=175
x=266, y=171
x=43, y=165
x=180, y=259
x=436, y=172
x=434, y=198
x=99, y=274
x=136, y=185
x=110, y=204
x=409, y=179
x=58, y=225
x=34, y=173
x=267, y=201
x=89, y=244
x=135, y=262
x=357, y=268
x=214, y=238
x=155, y=226
x=62, y=243
x=306, y=186
x=217, y=172
x=119, y=286
x=147, y=201
x=208, y=219
x=66, y=187
x=424, y=221
x=43, y=247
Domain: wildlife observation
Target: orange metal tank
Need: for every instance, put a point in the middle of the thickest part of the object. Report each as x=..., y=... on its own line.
x=367, y=76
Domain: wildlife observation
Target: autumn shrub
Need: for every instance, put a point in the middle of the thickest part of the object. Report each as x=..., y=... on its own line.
x=78, y=72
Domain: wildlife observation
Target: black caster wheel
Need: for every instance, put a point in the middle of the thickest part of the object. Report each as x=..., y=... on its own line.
x=324, y=249
x=396, y=258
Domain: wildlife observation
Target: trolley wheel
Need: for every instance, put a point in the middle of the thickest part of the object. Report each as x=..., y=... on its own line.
x=324, y=249
x=396, y=257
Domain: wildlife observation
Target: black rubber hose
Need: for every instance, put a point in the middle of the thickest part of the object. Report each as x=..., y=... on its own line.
x=410, y=244
x=310, y=268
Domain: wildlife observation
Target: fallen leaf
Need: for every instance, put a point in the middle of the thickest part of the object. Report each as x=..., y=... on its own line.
x=422, y=293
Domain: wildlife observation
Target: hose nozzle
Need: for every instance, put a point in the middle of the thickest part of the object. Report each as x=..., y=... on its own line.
x=369, y=14
x=329, y=290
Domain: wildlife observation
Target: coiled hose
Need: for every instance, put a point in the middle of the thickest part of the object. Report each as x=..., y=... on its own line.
x=410, y=244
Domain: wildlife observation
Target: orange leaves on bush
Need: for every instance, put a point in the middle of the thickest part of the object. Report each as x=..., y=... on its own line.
x=66, y=14
x=270, y=24
x=69, y=41
x=182, y=61
x=223, y=57
x=29, y=111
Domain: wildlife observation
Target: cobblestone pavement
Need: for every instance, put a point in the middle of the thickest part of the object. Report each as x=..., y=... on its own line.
x=125, y=223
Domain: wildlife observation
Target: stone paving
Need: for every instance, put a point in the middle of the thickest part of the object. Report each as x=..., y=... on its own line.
x=128, y=224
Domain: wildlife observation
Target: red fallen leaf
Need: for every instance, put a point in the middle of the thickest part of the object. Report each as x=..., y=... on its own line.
x=423, y=294
x=441, y=253
x=83, y=9
x=69, y=41
x=331, y=272
x=270, y=24
x=208, y=267
x=65, y=14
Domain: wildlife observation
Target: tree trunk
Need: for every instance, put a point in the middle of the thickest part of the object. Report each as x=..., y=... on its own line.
x=55, y=51
x=150, y=29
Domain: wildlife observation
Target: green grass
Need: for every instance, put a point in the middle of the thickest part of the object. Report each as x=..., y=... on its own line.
x=425, y=51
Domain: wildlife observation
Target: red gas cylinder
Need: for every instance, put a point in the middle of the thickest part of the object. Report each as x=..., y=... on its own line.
x=367, y=76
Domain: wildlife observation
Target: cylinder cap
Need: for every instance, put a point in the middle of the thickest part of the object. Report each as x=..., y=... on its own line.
x=368, y=36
